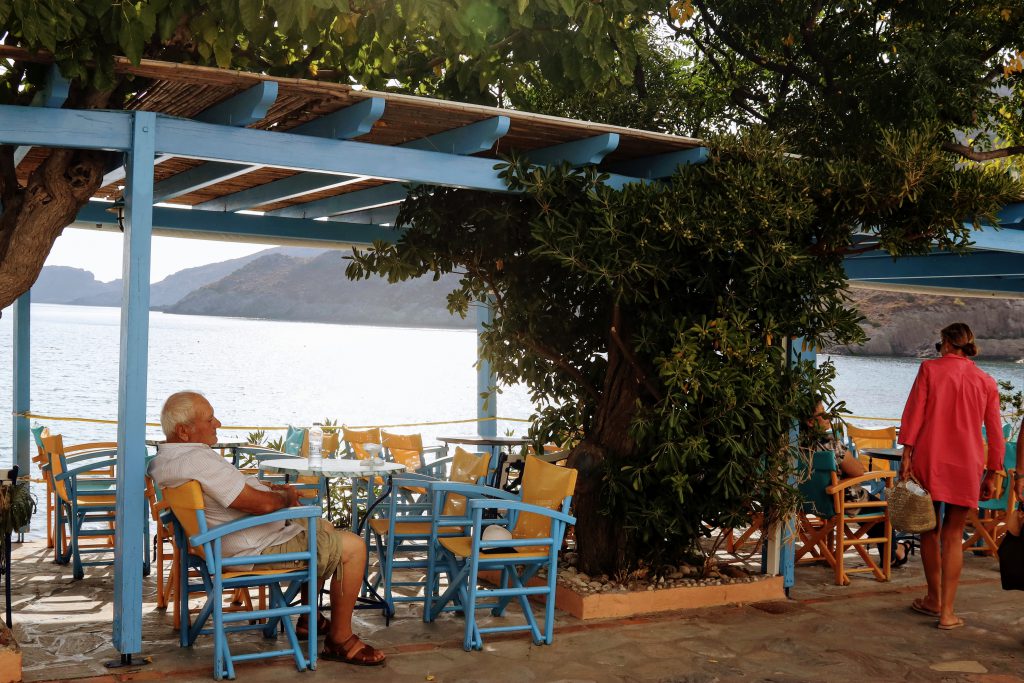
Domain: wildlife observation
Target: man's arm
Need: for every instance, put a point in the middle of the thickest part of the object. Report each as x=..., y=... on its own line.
x=257, y=502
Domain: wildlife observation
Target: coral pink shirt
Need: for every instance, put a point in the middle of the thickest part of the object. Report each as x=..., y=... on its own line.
x=950, y=400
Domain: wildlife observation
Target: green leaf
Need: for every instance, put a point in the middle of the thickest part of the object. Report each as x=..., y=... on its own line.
x=249, y=13
x=521, y=5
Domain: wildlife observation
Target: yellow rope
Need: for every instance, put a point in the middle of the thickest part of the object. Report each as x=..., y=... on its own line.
x=63, y=418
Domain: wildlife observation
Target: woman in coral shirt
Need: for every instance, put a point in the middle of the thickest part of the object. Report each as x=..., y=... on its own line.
x=941, y=432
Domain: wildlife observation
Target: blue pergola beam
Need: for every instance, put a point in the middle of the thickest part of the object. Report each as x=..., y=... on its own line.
x=53, y=96
x=379, y=215
x=660, y=165
x=210, y=173
x=129, y=544
x=243, y=109
x=982, y=264
x=191, y=223
x=195, y=140
x=73, y=128
x=382, y=195
x=993, y=286
x=347, y=123
x=1010, y=240
x=1012, y=214
x=471, y=139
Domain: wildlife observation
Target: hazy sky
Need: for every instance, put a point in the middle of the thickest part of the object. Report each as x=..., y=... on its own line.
x=100, y=253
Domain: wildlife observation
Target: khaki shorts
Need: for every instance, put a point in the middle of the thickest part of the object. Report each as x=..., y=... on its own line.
x=328, y=551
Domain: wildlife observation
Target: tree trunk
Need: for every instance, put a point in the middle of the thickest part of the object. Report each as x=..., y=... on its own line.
x=600, y=537
x=34, y=216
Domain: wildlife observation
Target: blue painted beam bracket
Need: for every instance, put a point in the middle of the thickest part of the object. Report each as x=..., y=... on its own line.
x=132, y=527
x=660, y=165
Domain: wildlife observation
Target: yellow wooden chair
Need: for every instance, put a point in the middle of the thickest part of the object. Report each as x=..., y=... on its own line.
x=883, y=437
x=537, y=519
x=355, y=440
x=202, y=558
x=86, y=504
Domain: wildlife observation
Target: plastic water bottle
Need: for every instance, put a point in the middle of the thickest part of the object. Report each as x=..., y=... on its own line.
x=316, y=444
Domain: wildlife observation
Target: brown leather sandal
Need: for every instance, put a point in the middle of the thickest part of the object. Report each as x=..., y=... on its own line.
x=352, y=651
x=323, y=626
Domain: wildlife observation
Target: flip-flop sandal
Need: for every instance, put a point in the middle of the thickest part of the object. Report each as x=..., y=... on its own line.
x=898, y=561
x=323, y=625
x=918, y=606
x=352, y=651
x=949, y=627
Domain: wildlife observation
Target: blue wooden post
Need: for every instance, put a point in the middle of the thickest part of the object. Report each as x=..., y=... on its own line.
x=131, y=407
x=798, y=351
x=21, y=445
x=485, y=380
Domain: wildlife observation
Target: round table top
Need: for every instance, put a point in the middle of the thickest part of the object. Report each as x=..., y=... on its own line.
x=475, y=440
x=331, y=467
x=883, y=453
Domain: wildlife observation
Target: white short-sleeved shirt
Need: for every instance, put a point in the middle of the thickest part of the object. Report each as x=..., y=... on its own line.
x=177, y=463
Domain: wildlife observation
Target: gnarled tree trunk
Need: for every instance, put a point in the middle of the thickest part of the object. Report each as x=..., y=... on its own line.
x=34, y=216
x=600, y=537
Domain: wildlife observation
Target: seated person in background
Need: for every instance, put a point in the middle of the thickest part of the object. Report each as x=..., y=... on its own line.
x=820, y=435
x=190, y=426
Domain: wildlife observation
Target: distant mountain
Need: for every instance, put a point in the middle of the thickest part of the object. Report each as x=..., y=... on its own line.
x=281, y=287
x=63, y=285
x=899, y=324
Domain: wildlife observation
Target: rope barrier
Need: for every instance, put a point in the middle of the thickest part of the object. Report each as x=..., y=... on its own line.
x=267, y=428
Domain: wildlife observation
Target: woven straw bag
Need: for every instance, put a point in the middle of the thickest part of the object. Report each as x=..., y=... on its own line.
x=908, y=511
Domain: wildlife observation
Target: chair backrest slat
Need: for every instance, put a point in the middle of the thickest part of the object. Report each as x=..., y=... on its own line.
x=358, y=438
x=186, y=502
x=406, y=449
x=54, y=448
x=467, y=468
x=544, y=485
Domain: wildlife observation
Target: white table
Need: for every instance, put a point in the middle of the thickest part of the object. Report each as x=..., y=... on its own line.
x=347, y=468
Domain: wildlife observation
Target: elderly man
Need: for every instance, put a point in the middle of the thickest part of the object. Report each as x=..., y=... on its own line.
x=190, y=426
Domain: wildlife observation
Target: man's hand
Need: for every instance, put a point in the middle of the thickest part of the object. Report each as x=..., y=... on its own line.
x=289, y=493
x=1018, y=485
x=988, y=486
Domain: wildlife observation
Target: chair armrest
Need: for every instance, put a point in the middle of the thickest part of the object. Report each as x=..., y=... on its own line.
x=298, y=512
x=854, y=481
x=413, y=479
x=72, y=473
x=473, y=490
x=477, y=506
x=90, y=457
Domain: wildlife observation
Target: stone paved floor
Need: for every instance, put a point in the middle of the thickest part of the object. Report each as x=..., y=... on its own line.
x=863, y=632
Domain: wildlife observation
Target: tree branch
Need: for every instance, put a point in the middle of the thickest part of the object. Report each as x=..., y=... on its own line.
x=968, y=152
x=736, y=46
x=630, y=356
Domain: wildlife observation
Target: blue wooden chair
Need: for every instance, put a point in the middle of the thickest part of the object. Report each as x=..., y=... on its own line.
x=402, y=535
x=828, y=525
x=537, y=519
x=217, y=573
x=85, y=502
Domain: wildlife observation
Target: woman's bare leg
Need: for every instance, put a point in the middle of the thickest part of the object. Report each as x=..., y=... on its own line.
x=931, y=558
x=952, y=559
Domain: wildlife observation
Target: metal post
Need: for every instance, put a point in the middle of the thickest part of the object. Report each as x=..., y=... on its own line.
x=131, y=408
x=486, y=406
x=21, y=445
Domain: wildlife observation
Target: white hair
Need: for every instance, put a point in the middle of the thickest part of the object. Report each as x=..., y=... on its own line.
x=179, y=409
